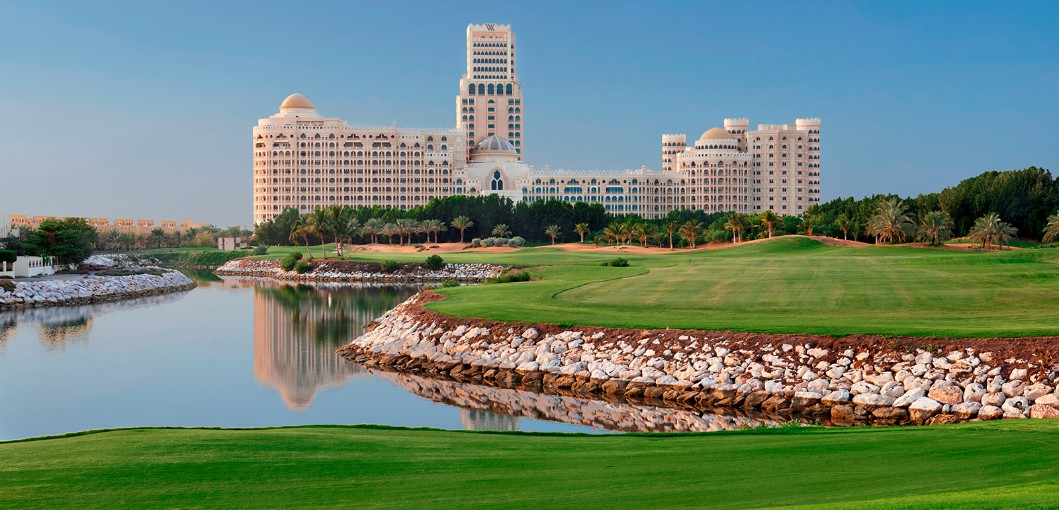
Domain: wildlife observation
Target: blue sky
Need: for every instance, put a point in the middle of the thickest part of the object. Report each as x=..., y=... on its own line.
x=144, y=109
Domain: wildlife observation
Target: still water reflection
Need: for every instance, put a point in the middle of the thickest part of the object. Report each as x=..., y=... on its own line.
x=244, y=352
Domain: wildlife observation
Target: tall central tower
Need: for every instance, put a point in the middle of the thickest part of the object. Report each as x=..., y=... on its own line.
x=490, y=100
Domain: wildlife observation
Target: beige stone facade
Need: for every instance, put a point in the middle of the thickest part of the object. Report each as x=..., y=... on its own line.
x=19, y=221
x=305, y=161
x=490, y=100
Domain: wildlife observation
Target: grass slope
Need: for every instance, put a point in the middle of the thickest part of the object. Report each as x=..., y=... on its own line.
x=786, y=285
x=981, y=465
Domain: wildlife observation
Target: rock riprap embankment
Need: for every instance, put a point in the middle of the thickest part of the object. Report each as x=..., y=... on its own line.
x=843, y=381
x=614, y=414
x=349, y=271
x=90, y=289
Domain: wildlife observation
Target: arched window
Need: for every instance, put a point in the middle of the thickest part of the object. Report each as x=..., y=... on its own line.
x=481, y=89
x=497, y=184
x=509, y=89
x=491, y=89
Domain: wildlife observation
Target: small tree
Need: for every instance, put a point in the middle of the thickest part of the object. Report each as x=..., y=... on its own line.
x=552, y=231
x=843, y=223
x=670, y=228
x=769, y=220
x=461, y=223
x=582, y=229
x=501, y=230
x=1051, y=231
x=935, y=227
x=735, y=225
x=690, y=230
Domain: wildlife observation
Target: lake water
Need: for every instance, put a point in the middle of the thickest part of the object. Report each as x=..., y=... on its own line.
x=247, y=352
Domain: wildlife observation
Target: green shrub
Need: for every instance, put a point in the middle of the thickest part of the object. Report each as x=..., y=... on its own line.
x=434, y=262
x=8, y=256
x=476, y=243
x=516, y=242
x=618, y=262
x=303, y=266
x=289, y=261
x=261, y=250
x=450, y=283
x=509, y=277
x=296, y=255
x=388, y=266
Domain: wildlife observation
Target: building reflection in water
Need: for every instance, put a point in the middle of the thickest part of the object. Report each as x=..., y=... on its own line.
x=299, y=328
x=59, y=326
x=480, y=419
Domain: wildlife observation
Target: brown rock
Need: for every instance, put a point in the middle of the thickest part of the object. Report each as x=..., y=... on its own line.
x=1043, y=411
x=843, y=414
x=943, y=419
x=754, y=399
x=896, y=414
x=775, y=403
x=947, y=395
x=613, y=386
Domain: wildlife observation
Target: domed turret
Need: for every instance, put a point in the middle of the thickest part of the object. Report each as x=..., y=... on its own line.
x=493, y=148
x=717, y=133
x=296, y=102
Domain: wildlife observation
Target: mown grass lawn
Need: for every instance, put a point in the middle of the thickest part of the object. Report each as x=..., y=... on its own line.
x=786, y=285
x=981, y=465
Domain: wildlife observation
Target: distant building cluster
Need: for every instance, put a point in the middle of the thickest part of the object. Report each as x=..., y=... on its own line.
x=136, y=227
x=305, y=161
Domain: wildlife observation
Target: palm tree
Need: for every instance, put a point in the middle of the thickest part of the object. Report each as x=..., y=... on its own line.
x=890, y=223
x=690, y=230
x=301, y=230
x=843, y=223
x=611, y=233
x=345, y=225
x=461, y=223
x=437, y=227
x=1051, y=231
x=552, y=231
x=670, y=227
x=500, y=230
x=769, y=219
x=935, y=227
x=319, y=220
x=157, y=235
x=642, y=232
x=389, y=230
x=373, y=227
x=111, y=238
x=736, y=225
x=989, y=229
x=126, y=239
x=405, y=227
x=582, y=229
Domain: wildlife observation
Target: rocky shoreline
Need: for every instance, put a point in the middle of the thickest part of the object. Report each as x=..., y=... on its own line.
x=348, y=271
x=843, y=381
x=613, y=412
x=90, y=289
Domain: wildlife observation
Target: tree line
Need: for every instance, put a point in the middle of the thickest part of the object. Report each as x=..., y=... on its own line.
x=1024, y=199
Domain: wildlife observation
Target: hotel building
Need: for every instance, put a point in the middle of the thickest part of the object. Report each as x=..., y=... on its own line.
x=305, y=161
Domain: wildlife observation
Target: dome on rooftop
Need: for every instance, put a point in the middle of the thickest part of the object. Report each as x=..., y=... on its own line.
x=717, y=133
x=494, y=143
x=296, y=101
x=492, y=148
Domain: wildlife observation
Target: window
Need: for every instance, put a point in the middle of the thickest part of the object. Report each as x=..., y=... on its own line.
x=497, y=183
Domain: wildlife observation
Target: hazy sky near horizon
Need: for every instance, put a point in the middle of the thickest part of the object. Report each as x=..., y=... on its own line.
x=145, y=110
